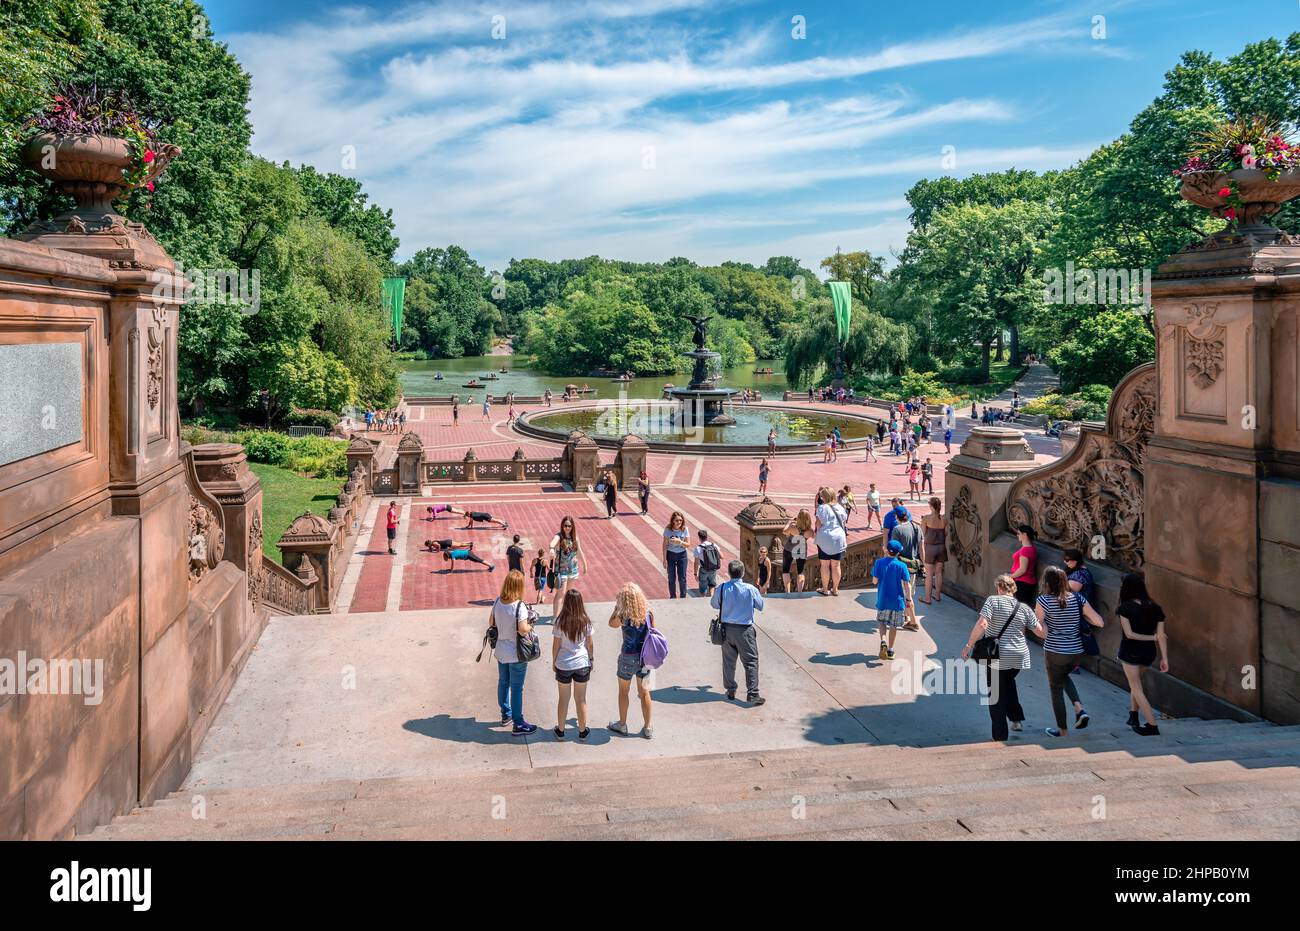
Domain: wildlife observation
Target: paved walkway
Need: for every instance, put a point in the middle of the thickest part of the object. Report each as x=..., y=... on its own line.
x=710, y=491
x=399, y=694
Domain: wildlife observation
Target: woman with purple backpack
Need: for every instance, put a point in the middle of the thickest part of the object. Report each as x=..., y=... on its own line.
x=643, y=650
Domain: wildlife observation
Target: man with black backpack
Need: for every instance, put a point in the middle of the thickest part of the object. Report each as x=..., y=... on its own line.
x=707, y=562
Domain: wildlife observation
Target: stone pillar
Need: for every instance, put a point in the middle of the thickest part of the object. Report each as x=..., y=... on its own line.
x=975, y=487
x=311, y=539
x=410, y=454
x=469, y=461
x=361, y=454
x=632, y=451
x=761, y=524
x=517, y=462
x=1222, y=497
x=585, y=457
x=148, y=482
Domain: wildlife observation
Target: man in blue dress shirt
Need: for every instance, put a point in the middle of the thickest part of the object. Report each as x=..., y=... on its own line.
x=736, y=601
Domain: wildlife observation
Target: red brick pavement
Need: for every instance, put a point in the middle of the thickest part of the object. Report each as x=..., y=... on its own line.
x=711, y=490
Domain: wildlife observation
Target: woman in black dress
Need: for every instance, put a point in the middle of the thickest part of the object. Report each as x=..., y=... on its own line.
x=1143, y=642
x=611, y=495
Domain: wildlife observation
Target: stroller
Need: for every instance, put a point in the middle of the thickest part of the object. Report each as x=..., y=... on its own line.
x=1055, y=429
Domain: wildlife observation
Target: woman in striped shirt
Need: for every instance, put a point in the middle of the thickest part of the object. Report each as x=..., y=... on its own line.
x=1063, y=611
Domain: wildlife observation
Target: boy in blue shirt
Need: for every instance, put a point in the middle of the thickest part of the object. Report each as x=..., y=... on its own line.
x=893, y=584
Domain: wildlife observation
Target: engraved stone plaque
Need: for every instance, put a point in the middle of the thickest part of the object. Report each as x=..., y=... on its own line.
x=40, y=398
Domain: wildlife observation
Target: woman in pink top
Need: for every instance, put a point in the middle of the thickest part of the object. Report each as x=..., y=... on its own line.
x=1024, y=566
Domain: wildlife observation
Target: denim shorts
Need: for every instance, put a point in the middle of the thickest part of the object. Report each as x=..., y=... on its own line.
x=565, y=676
x=629, y=665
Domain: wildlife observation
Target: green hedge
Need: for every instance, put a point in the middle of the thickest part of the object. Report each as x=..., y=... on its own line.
x=318, y=456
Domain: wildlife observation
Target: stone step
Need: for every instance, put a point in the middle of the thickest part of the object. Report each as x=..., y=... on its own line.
x=1018, y=796
x=1197, y=768
x=821, y=759
x=705, y=778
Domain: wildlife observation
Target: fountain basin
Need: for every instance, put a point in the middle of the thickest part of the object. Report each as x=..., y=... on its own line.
x=799, y=429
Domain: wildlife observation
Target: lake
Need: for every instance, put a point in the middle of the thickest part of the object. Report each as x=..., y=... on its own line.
x=417, y=379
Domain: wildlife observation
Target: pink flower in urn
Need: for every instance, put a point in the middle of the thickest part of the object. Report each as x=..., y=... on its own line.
x=149, y=156
x=1230, y=213
x=149, y=186
x=1248, y=161
x=1225, y=192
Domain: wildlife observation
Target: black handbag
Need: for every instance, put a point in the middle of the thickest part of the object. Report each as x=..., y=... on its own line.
x=527, y=646
x=489, y=638
x=717, y=633
x=986, y=647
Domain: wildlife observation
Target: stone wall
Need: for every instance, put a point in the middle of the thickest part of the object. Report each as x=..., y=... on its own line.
x=112, y=551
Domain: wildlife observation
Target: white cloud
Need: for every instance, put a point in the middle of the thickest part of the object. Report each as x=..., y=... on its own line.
x=538, y=145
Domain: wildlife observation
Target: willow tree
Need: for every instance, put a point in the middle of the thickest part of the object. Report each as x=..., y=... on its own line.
x=875, y=345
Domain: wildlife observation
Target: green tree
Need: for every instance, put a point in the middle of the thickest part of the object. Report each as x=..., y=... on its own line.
x=1104, y=348
x=875, y=345
x=861, y=270
x=982, y=265
x=342, y=203
x=603, y=322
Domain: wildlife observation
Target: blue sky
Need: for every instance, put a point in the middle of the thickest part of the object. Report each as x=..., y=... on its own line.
x=644, y=129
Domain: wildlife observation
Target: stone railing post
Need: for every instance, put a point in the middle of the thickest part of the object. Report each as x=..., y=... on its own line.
x=410, y=453
x=517, y=462
x=361, y=454
x=631, y=458
x=223, y=472
x=976, y=486
x=470, y=460
x=761, y=524
x=312, y=539
x=586, y=463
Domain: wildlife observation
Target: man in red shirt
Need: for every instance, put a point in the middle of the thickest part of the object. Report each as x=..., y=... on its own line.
x=393, y=521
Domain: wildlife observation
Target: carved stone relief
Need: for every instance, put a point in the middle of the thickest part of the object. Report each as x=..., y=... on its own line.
x=966, y=532
x=1098, y=489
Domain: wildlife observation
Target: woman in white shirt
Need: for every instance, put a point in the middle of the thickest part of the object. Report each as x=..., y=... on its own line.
x=572, y=655
x=510, y=615
x=832, y=540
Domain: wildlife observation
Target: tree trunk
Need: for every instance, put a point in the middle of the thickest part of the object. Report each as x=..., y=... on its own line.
x=1015, y=345
x=984, y=361
x=1001, y=348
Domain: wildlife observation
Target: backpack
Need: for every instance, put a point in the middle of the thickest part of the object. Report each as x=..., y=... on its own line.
x=710, y=559
x=654, y=649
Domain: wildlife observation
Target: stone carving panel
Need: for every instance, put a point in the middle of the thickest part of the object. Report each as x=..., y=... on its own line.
x=1202, y=358
x=206, y=541
x=1096, y=491
x=966, y=532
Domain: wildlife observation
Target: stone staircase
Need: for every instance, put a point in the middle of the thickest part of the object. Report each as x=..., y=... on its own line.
x=1197, y=780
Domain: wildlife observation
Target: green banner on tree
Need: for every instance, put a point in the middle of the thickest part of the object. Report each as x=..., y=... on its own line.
x=394, y=298
x=843, y=299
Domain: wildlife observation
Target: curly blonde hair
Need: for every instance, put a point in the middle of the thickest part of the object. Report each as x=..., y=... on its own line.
x=630, y=604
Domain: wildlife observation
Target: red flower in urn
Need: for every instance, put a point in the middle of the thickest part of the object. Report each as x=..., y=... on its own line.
x=1243, y=170
x=106, y=146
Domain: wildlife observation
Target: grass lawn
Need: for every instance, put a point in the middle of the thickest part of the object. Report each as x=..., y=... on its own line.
x=285, y=495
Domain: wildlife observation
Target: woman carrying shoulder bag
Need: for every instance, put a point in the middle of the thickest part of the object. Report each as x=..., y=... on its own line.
x=1004, y=620
x=1063, y=611
x=515, y=641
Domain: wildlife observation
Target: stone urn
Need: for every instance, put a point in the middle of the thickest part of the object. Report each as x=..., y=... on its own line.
x=1261, y=196
x=91, y=169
